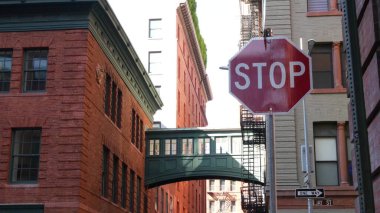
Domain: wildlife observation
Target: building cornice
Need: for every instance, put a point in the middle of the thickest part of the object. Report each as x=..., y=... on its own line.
x=185, y=16
x=96, y=16
x=118, y=48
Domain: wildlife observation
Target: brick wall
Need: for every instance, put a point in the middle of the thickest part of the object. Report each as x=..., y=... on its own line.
x=369, y=41
x=74, y=126
x=58, y=111
x=99, y=130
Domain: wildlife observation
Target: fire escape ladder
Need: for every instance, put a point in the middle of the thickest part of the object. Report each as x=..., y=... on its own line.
x=227, y=198
x=253, y=161
x=252, y=126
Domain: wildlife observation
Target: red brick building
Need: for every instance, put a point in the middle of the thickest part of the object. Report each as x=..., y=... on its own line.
x=192, y=91
x=75, y=101
x=368, y=14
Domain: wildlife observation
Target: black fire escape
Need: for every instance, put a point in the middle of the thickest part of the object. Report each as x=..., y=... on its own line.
x=253, y=161
x=252, y=126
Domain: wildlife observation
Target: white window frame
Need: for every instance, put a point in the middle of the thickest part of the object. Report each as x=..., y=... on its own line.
x=155, y=62
x=155, y=28
x=154, y=147
x=170, y=146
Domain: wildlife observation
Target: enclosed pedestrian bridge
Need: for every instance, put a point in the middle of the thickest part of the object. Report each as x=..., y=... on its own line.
x=175, y=155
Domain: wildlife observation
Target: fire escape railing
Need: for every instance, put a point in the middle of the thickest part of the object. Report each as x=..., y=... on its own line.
x=253, y=127
x=253, y=161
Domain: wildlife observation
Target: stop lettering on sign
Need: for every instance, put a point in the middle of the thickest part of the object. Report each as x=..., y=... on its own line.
x=296, y=68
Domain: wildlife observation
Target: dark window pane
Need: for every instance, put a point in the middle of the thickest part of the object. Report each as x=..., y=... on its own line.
x=113, y=102
x=141, y=135
x=138, y=196
x=133, y=126
x=322, y=61
x=107, y=97
x=322, y=66
x=115, y=179
x=323, y=80
x=22, y=208
x=119, y=107
x=25, y=155
x=35, y=68
x=132, y=192
x=137, y=133
x=327, y=173
x=124, y=186
x=105, y=171
x=5, y=69
x=325, y=129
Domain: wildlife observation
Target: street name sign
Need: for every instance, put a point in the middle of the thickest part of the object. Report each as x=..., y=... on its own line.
x=310, y=193
x=270, y=75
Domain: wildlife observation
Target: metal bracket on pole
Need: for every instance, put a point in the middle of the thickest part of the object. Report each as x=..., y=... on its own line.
x=359, y=125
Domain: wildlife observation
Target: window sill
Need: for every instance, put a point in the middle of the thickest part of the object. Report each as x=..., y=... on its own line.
x=324, y=13
x=153, y=39
x=23, y=185
x=339, y=190
x=329, y=91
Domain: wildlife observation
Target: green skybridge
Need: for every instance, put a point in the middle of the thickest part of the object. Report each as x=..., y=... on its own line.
x=175, y=155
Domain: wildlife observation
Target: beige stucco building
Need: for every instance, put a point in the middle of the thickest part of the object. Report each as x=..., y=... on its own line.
x=326, y=109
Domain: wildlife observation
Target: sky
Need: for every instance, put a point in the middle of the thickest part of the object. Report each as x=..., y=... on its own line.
x=219, y=22
x=220, y=27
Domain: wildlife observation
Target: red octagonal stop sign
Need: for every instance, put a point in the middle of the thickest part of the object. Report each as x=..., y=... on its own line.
x=270, y=74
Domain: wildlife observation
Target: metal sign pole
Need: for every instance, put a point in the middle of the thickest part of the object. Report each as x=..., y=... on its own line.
x=272, y=165
x=308, y=159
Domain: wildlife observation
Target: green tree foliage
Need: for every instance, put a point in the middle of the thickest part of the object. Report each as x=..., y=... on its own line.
x=193, y=9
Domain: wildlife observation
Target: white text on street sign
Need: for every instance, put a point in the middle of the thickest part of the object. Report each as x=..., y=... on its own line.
x=310, y=193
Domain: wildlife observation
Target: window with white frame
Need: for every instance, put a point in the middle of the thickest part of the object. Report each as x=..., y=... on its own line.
x=236, y=143
x=221, y=145
x=155, y=28
x=233, y=206
x=233, y=185
x=222, y=204
x=211, y=206
x=187, y=146
x=154, y=147
x=211, y=185
x=203, y=145
x=170, y=146
x=222, y=185
x=326, y=157
x=155, y=62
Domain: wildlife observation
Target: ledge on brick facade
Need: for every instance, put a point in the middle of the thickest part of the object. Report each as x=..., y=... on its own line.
x=329, y=91
x=324, y=13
